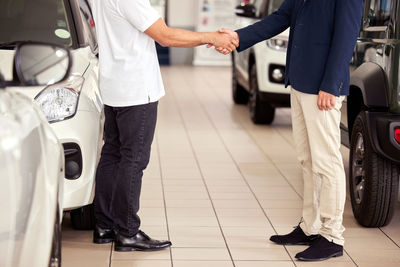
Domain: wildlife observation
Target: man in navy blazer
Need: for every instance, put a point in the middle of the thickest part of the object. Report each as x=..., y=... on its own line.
x=322, y=39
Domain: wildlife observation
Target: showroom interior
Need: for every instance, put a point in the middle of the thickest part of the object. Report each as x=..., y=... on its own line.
x=224, y=174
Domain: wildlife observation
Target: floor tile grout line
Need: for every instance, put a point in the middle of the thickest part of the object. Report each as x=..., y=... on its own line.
x=274, y=164
x=163, y=193
x=236, y=164
x=111, y=251
x=202, y=176
x=394, y=242
x=350, y=257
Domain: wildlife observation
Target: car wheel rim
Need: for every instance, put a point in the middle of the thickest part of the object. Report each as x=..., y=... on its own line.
x=358, y=170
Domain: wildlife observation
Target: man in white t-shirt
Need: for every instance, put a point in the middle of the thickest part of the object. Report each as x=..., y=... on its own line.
x=131, y=85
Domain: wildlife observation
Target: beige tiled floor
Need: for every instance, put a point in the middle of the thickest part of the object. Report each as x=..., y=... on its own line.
x=218, y=186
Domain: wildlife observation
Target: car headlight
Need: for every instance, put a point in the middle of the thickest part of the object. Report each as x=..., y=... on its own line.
x=60, y=101
x=278, y=44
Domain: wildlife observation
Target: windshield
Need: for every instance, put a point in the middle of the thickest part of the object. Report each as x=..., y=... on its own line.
x=34, y=20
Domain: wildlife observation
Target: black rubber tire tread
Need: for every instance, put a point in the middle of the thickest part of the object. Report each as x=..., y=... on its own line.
x=83, y=218
x=239, y=93
x=381, y=182
x=263, y=113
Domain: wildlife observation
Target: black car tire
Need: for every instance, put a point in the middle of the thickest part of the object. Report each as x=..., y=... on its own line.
x=373, y=180
x=55, y=256
x=260, y=112
x=239, y=94
x=83, y=218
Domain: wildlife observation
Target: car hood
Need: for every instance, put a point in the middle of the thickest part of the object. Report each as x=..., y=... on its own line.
x=80, y=63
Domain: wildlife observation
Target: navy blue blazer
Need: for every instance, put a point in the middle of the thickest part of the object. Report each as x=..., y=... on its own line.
x=322, y=37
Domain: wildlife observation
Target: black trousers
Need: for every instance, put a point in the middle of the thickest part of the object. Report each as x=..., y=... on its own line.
x=129, y=133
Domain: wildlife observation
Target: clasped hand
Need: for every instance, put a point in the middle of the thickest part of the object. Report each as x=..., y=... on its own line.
x=226, y=41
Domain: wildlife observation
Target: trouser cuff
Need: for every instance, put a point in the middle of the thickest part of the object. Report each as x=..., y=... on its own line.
x=308, y=232
x=337, y=241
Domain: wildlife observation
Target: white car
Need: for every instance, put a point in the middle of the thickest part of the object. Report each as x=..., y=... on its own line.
x=258, y=73
x=73, y=107
x=31, y=164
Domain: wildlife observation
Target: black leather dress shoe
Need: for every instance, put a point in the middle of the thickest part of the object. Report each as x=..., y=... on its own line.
x=139, y=242
x=103, y=236
x=296, y=237
x=320, y=250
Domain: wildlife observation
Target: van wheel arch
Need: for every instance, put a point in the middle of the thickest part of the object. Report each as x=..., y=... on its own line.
x=355, y=104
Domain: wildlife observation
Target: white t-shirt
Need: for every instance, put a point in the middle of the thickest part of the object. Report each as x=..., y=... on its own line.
x=129, y=69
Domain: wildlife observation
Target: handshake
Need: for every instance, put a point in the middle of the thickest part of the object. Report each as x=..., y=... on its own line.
x=225, y=41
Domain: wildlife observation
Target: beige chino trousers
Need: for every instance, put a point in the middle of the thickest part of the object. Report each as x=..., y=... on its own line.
x=316, y=136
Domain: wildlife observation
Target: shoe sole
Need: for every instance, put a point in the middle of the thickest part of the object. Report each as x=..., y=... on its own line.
x=127, y=249
x=103, y=241
x=304, y=243
x=337, y=254
x=293, y=244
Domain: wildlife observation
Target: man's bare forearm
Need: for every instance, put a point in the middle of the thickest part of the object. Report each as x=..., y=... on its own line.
x=167, y=36
x=183, y=38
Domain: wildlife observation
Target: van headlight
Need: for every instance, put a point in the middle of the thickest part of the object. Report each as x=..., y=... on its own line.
x=60, y=101
x=278, y=44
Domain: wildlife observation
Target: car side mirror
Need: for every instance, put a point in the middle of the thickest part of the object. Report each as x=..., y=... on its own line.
x=246, y=10
x=40, y=64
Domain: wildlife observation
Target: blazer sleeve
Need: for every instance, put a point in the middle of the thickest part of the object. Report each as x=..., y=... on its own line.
x=270, y=26
x=346, y=28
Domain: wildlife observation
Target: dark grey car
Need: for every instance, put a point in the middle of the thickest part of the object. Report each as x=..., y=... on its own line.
x=371, y=117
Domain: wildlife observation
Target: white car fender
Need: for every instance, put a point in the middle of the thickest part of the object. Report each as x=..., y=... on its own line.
x=31, y=170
